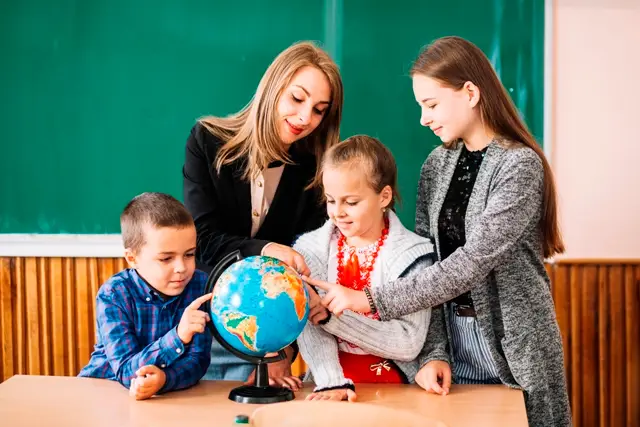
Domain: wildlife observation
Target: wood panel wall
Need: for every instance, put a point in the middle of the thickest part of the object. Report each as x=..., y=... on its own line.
x=47, y=326
x=598, y=309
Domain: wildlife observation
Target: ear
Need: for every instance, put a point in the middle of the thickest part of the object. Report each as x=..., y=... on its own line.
x=130, y=256
x=386, y=195
x=473, y=92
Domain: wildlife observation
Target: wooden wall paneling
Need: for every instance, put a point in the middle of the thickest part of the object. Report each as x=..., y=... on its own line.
x=47, y=326
x=604, y=342
x=587, y=290
x=83, y=309
x=7, y=345
x=56, y=287
x=632, y=338
x=18, y=317
x=616, y=373
x=69, y=316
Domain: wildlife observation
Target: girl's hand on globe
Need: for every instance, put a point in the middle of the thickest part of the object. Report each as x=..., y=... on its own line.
x=287, y=255
x=193, y=320
x=338, y=394
x=339, y=298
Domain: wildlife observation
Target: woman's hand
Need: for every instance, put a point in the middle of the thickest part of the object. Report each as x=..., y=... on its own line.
x=317, y=311
x=287, y=255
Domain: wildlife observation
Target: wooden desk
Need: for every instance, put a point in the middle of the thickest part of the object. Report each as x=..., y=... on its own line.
x=68, y=401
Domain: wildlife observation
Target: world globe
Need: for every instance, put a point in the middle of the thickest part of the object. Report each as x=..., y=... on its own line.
x=259, y=305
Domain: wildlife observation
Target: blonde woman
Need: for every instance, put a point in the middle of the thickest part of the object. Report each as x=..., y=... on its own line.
x=251, y=180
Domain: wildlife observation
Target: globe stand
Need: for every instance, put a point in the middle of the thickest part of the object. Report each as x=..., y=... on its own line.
x=260, y=392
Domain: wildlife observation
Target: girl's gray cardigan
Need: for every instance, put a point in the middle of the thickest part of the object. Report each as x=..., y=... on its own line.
x=502, y=265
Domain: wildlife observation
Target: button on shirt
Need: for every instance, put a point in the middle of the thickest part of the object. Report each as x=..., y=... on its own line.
x=263, y=188
x=136, y=326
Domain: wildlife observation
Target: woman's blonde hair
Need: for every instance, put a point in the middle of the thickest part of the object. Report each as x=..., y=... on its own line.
x=453, y=61
x=252, y=133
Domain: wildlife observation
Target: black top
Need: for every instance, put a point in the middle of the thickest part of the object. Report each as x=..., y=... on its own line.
x=221, y=203
x=454, y=208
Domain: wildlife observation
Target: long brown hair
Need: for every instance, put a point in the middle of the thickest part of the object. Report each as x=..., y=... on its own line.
x=453, y=61
x=252, y=134
x=367, y=153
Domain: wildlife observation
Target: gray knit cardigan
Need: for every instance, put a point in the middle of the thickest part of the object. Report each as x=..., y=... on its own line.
x=502, y=265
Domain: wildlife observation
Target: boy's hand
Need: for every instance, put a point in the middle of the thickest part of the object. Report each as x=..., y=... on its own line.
x=193, y=321
x=435, y=377
x=337, y=394
x=149, y=381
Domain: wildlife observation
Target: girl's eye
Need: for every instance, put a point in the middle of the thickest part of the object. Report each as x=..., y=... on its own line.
x=319, y=112
x=352, y=203
x=296, y=99
x=165, y=259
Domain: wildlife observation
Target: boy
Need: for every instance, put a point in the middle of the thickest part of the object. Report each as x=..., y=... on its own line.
x=151, y=335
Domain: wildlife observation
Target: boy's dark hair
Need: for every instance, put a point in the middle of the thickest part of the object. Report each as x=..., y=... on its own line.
x=363, y=151
x=155, y=209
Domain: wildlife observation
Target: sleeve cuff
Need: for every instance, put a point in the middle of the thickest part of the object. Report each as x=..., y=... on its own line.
x=325, y=321
x=296, y=351
x=377, y=302
x=171, y=348
x=349, y=384
x=170, y=381
x=436, y=355
x=264, y=248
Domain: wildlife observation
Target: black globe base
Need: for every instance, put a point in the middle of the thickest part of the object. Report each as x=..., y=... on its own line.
x=260, y=395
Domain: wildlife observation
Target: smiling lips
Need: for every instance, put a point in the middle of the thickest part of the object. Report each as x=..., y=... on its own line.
x=294, y=129
x=436, y=130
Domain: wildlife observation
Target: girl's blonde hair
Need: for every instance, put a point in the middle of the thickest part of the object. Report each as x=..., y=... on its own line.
x=252, y=134
x=453, y=61
x=368, y=154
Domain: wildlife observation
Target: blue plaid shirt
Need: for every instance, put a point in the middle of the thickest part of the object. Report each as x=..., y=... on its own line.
x=137, y=327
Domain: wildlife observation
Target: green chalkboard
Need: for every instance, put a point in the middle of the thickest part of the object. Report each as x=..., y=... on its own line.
x=98, y=96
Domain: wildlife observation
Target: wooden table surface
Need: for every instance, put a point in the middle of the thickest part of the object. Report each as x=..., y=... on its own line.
x=69, y=401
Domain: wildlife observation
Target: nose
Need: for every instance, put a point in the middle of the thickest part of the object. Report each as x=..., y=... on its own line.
x=304, y=116
x=425, y=119
x=179, y=266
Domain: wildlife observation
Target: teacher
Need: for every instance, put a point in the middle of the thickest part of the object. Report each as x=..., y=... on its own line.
x=251, y=179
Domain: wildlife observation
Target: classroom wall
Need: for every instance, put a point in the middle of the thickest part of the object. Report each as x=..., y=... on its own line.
x=595, y=135
x=47, y=318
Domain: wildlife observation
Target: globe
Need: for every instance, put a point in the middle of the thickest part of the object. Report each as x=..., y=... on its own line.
x=259, y=305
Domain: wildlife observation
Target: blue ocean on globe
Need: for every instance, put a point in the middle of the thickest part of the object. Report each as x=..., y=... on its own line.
x=259, y=305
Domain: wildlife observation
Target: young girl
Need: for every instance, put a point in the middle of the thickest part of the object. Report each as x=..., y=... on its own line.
x=487, y=197
x=362, y=246
x=250, y=178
